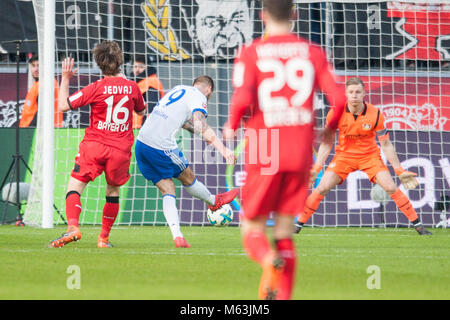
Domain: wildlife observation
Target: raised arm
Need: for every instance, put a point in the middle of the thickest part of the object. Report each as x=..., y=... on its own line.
x=67, y=73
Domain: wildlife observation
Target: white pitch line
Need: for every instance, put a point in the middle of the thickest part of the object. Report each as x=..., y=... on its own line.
x=177, y=252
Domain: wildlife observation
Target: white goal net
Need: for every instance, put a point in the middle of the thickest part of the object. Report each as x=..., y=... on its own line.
x=401, y=50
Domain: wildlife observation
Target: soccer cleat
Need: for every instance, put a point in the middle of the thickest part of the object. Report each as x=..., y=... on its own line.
x=19, y=223
x=298, y=226
x=72, y=234
x=181, y=242
x=272, y=268
x=104, y=243
x=422, y=231
x=224, y=198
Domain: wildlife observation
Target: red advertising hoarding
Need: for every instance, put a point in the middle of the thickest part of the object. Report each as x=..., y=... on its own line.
x=411, y=102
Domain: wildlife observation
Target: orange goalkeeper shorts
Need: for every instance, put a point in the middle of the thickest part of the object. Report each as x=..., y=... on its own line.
x=371, y=164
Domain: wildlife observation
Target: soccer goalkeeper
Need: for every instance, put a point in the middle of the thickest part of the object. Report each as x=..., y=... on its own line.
x=357, y=150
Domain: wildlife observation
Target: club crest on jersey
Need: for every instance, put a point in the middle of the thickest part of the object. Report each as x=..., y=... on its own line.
x=366, y=126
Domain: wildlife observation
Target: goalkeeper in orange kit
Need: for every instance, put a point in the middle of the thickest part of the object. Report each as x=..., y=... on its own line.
x=357, y=149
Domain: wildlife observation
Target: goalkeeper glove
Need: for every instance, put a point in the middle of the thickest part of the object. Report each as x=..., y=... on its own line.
x=407, y=178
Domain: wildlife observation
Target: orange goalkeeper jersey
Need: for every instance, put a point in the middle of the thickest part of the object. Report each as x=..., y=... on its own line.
x=145, y=84
x=357, y=133
x=30, y=108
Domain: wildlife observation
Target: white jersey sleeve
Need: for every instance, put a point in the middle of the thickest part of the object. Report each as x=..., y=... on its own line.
x=169, y=115
x=197, y=102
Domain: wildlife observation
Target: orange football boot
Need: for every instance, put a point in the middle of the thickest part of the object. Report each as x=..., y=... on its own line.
x=272, y=268
x=104, y=243
x=72, y=234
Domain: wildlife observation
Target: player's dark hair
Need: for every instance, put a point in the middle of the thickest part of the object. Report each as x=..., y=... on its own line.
x=109, y=57
x=140, y=58
x=34, y=57
x=279, y=10
x=354, y=81
x=206, y=80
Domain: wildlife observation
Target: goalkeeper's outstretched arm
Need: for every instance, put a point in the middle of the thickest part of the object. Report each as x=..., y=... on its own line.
x=390, y=153
x=407, y=178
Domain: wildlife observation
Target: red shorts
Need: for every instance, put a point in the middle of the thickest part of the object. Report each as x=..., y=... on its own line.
x=371, y=164
x=94, y=157
x=283, y=193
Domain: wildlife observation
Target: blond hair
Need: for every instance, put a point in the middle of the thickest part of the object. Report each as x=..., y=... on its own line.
x=354, y=81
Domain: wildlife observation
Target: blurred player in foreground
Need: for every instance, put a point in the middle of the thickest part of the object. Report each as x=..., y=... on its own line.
x=357, y=149
x=159, y=158
x=107, y=142
x=274, y=79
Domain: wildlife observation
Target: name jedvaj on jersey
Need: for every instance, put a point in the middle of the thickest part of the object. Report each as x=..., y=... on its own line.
x=117, y=90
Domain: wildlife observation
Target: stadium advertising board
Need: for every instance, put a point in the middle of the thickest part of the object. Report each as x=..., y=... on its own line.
x=408, y=102
x=413, y=102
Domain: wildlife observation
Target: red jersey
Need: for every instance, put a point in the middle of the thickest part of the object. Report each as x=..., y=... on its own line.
x=278, y=76
x=112, y=101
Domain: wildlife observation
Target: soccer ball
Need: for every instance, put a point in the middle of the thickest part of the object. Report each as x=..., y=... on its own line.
x=221, y=217
x=377, y=194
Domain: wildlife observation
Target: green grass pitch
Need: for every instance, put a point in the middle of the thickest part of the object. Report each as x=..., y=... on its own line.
x=144, y=264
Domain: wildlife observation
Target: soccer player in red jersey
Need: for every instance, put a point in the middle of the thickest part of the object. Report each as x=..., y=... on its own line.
x=357, y=149
x=107, y=142
x=274, y=79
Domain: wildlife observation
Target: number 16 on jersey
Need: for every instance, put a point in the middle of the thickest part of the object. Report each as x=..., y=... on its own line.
x=116, y=116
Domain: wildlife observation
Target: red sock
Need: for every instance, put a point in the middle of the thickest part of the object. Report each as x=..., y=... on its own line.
x=286, y=250
x=110, y=211
x=73, y=208
x=311, y=205
x=404, y=205
x=256, y=245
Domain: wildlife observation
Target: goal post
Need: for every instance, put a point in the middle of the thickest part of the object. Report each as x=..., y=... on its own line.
x=39, y=210
x=401, y=50
x=47, y=104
